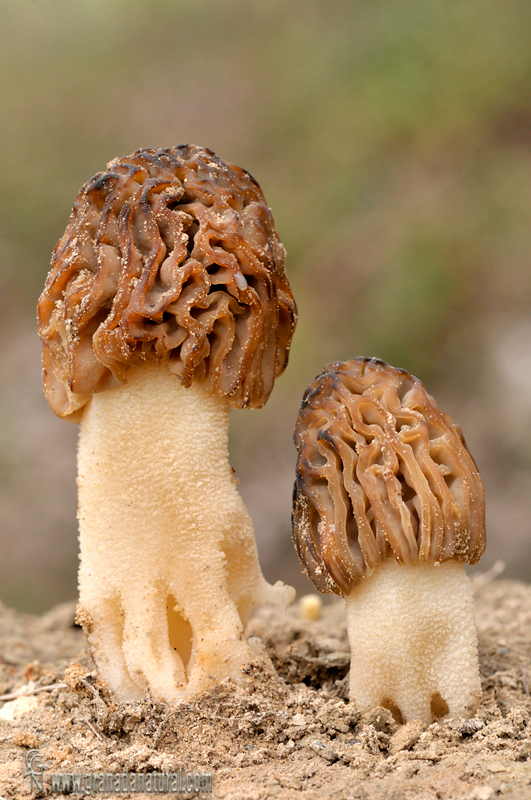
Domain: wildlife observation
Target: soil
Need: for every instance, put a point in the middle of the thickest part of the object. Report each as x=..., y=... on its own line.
x=286, y=731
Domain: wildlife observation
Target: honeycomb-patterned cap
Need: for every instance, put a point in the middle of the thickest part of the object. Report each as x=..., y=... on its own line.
x=382, y=472
x=170, y=255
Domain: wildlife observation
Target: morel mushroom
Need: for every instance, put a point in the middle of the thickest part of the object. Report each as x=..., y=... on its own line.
x=388, y=503
x=167, y=302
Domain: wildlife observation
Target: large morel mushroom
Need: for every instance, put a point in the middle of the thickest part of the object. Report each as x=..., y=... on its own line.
x=167, y=302
x=388, y=503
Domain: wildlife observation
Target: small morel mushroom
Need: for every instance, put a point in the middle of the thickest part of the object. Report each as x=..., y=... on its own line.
x=388, y=503
x=167, y=302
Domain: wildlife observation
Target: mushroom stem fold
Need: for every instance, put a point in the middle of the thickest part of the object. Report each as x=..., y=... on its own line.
x=169, y=569
x=413, y=641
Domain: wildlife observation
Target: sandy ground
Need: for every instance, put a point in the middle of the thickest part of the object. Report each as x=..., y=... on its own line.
x=284, y=734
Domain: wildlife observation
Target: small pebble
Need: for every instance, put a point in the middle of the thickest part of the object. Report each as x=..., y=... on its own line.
x=25, y=739
x=310, y=607
x=299, y=720
x=406, y=737
x=470, y=727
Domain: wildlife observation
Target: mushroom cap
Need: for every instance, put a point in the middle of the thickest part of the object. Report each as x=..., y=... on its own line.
x=170, y=255
x=381, y=472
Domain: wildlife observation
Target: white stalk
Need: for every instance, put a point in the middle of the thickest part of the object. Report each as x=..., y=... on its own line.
x=413, y=641
x=169, y=570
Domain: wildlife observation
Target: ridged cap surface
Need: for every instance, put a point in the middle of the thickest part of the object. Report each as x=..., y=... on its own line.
x=381, y=471
x=170, y=255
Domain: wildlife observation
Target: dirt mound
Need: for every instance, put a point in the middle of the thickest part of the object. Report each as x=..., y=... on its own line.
x=277, y=733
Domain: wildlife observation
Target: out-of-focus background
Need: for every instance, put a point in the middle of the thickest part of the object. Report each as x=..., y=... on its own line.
x=392, y=139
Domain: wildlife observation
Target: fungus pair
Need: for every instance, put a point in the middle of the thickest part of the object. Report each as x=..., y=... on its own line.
x=166, y=303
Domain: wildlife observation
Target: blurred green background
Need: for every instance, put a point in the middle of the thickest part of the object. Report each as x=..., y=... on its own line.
x=392, y=139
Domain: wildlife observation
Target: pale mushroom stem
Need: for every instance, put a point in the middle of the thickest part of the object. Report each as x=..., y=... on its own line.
x=413, y=641
x=169, y=570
